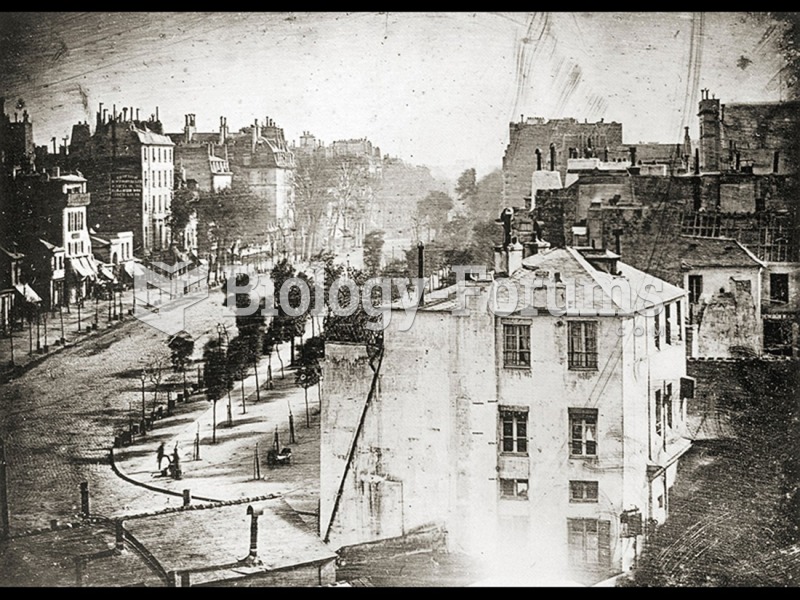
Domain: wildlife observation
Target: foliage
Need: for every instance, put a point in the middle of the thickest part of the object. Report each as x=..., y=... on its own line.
x=432, y=211
x=373, y=247
x=216, y=373
x=239, y=357
x=183, y=206
x=181, y=346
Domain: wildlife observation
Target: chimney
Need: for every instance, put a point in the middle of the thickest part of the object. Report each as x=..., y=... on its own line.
x=697, y=161
x=124, y=113
x=254, y=135
x=421, y=269
x=137, y=114
x=157, y=113
x=222, y=130
x=552, y=157
x=114, y=112
x=514, y=256
x=617, y=244
x=54, y=145
x=632, y=151
x=538, y=159
x=738, y=156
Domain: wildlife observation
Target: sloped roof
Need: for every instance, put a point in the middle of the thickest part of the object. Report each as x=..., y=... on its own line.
x=696, y=252
x=12, y=255
x=153, y=139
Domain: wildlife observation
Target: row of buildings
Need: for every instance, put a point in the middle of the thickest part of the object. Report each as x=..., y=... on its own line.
x=546, y=441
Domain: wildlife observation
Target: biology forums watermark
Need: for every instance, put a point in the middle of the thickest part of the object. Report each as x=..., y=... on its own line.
x=165, y=292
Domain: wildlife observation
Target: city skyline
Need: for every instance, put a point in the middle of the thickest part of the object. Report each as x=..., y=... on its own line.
x=409, y=82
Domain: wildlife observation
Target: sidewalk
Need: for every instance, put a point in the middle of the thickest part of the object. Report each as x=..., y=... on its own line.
x=226, y=470
x=27, y=348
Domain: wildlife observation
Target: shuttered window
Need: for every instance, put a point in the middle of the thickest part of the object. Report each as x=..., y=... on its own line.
x=589, y=542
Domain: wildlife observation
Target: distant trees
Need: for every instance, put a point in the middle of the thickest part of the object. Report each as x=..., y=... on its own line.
x=432, y=211
x=373, y=249
x=331, y=192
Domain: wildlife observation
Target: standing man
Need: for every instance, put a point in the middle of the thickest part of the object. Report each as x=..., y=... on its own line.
x=160, y=454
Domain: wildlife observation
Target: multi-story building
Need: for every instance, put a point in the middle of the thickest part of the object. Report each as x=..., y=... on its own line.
x=128, y=163
x=10, y=280
x=535, y=144
x=50, y=225
x=741, y=186
x=537, y=418
x=202, y=157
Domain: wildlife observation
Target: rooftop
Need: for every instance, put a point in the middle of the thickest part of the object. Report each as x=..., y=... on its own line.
x=714, y=252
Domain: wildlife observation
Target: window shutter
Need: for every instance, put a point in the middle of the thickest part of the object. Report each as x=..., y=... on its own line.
x=604, y=543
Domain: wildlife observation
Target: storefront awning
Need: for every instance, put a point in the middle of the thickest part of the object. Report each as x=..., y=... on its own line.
x=27, y=293
x=83, y=267
x=106, y=272
x=133, y=269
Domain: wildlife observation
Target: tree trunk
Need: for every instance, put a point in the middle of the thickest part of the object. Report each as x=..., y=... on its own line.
x=280, y=360
x=214, y=422
x=230, y=410
x=244, y=408
x=255, y=370
x=184, y=384
x=308, y=416
x=291, y=352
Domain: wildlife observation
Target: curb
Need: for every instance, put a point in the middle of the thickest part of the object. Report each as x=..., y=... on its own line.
x=152, y=488
x=11, y=373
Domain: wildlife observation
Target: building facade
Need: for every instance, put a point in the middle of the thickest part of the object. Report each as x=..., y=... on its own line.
x=129, y=165
x=541, y=440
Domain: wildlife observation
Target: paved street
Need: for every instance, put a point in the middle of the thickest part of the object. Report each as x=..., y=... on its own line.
x=59, y=420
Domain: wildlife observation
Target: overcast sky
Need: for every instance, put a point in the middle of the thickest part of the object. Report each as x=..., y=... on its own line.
x=432, y=88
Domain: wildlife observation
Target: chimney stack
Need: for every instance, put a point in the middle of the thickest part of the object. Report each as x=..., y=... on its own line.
x=552, y=157
x=632, y=151
x=697, y=161
x=538, y=159
x=124, y=113
x=515, y=251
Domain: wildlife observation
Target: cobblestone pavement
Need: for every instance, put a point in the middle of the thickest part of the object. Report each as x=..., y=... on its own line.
x=59, y=419
x=226, y=470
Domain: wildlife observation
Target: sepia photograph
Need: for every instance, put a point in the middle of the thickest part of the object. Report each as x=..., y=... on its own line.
x=399, y=299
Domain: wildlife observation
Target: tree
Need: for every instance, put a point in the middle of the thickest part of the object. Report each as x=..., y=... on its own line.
x=182, y=209
x=239, y=358
x=307, y=376
x=352, y=193
x=313, y=183
x=215, y=376
x=181, y=346
x=432, y=211
x=486, y=200
x=466, y=186
x=373, y=248
x=155, y=369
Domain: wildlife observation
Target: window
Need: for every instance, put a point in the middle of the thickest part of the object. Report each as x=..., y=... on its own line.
x=668, y=405
x=778, y=337
x=659, y=416
x=516, y=345
x=514, y=430
x=583, y=491
x=779, y=287
x=589, y=542
x=583, y=431
x=582, y=345
x=667, y=325
x=657, y=330
x=513, y=488
x=695, y=288
x=678, y=320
